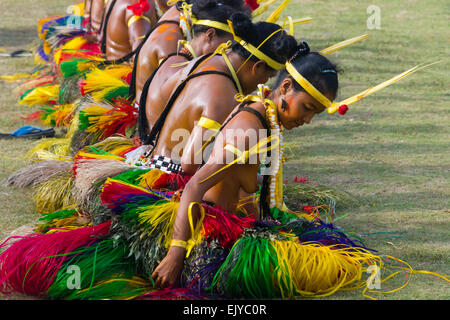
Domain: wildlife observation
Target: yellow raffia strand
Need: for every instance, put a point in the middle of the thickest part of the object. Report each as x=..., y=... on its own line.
x=262, y=147
x=135, y=281
x=54, y=193
x=343, y=44
x=317, y=270
x=58, y=149
x=156, y=215
x=276, y=14
x=407, y=269
x=40, y=95
x=71, y=45
x=264, y=5
x=99, y=83
x=15, y=77
x=148, y=179
x=62, y=116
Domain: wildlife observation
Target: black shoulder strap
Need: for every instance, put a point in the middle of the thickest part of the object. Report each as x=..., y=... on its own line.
x=104, y=25
x=147, y=137
x=132, y=88
x=153, y=137
x=142, y=116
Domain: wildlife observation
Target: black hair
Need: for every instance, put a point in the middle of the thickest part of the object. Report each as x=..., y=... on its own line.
x=280, y=46
x=317, y=69
x=216, y=10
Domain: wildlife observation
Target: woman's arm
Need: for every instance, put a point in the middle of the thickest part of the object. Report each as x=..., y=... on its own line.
x=169, y=270
x=138, y=26
x=216, y=104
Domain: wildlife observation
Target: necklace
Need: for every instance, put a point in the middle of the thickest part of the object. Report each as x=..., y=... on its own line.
x=276, y=179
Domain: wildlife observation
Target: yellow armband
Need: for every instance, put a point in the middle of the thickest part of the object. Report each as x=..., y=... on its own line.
x=137, y=38
x=196, y=236
x=208, y=124
x=133, y=19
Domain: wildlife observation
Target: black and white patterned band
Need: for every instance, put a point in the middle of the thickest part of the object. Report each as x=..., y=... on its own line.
x=165, y=164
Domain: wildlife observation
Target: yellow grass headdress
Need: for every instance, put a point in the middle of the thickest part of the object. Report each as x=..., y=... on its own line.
x=342, y=106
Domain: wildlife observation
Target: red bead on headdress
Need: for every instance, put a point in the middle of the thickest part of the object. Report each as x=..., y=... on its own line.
x=342, y=109
x=252, y=4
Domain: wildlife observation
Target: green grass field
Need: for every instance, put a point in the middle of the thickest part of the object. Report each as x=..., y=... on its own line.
x=391, y=151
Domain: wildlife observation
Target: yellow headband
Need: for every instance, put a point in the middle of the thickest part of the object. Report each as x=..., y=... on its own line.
x=255, y=50
x=211, y=23
x=332, y=107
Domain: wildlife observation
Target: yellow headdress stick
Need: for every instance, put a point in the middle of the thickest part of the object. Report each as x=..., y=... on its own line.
x=342, y=106
x=288, y=21
x=276, y=14
x=264, y=5
x=343, y=44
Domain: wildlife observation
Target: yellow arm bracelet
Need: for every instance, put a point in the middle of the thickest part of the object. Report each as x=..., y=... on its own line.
x=133, y=19
x=178, y=243
x=208, y=124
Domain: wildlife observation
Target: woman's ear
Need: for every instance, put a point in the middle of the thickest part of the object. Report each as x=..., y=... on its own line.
x=286, y=86
x=210, y=34
x=258, y=67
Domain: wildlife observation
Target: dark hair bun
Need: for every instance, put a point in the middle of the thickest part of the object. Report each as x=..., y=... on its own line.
x=242, y=25
x=205, y=4
x=303, y=48
x=285, y=46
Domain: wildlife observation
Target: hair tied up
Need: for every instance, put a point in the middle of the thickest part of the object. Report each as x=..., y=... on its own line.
x=302, y=50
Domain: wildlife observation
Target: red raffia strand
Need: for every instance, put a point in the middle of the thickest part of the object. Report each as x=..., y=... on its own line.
x=169, y=294
x=81, y=84
x=140, y=7
x=30, y=264
x=170, y=179
x=123, y=153
x=33, y=116
x=125, y=117
x=223, y=226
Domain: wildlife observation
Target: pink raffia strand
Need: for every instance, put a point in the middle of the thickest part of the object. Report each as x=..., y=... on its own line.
x=30, y=264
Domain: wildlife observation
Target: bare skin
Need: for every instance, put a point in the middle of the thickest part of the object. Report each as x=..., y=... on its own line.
x=161, y=42
x=203, y=43
x=210, y=96
x=93, y=11
x=121, y=39
x=163, y=6
x=223, y=188
x=97, y=9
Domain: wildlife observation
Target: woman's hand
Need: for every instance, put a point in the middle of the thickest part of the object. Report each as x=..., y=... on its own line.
x=168, y=272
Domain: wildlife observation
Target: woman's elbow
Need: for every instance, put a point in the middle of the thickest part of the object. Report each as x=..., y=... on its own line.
x=189, y=169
